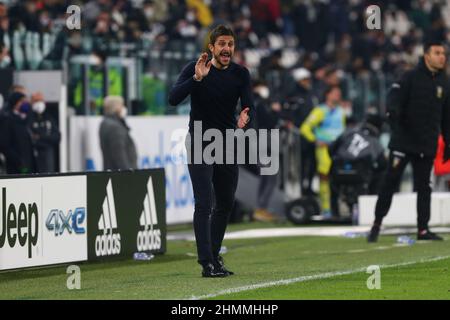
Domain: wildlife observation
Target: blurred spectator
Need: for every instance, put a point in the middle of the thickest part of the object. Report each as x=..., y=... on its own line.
x=45, y=135
x=266, y=16
x=311, y=24
x=301, y=101
x=104, y=32
x=441, y=168
x=267, y=117
x=277, y=77
x=93, y=8
x=17, y=145
x=3, y=10
x=18, y=88
x=96, y=76
x=118, y=148
x=271, y=63
x=2, y=138
x=24, y=15
x=5, y=59
x=5, y=32
x=324, y=124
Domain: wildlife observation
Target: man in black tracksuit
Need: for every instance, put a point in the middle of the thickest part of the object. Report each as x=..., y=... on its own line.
x=215, y=86
x=418, y=110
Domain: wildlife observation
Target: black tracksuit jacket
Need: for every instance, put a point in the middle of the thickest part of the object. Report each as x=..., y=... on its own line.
x=418, y=107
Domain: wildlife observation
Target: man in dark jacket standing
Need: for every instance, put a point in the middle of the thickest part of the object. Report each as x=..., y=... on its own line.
x=16, y=143
x=45, y=134
x=215, y=86
x=418, y=110
x=118, y=148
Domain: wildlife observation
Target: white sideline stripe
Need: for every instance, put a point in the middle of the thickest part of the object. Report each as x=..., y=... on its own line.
x=304, y=231
x=309, y=278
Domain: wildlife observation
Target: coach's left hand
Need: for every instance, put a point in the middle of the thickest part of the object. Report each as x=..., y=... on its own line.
x=244, y=118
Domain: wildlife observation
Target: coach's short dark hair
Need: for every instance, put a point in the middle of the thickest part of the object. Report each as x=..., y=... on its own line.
x=220, y=30
x=430, y=43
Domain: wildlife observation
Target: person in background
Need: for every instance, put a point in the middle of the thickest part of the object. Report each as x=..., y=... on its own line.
x=96, y=76
x=18, y=88
x=418, y=109
x=267, y=117
x=16, y=142
x=441, y=168
x=325, y=124
x=45, y=134
x=5, y=59
x=2, y=124
x=302, y=102
x=118, y=148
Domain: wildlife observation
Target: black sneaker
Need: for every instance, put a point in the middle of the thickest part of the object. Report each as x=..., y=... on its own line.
x=428, y=235
x=373, y=234
x=221, y=266
x=210, y=271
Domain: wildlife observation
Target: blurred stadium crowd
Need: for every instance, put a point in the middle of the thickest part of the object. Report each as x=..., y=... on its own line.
x=320, y=36
x=295, y=49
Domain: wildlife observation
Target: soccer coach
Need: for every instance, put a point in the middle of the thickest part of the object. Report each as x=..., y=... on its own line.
x=418, y=109
x=215, y=86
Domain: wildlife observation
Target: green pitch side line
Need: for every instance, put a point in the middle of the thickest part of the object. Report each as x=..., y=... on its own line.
x=309, y=278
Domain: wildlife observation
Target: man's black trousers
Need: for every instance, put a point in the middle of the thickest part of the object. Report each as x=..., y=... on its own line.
x=421, y=166
x=214, y=188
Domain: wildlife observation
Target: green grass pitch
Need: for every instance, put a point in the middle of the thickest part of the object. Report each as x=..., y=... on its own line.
x=266, y=268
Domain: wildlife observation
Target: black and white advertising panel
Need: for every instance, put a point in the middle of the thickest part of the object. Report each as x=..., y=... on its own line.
x=126, y=213
x=43, y=220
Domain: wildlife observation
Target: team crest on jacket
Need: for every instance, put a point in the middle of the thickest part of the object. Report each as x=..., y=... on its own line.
x=439, y=92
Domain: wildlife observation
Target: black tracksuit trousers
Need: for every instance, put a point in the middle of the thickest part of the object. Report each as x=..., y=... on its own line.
x=214, y=188
x=422, y=166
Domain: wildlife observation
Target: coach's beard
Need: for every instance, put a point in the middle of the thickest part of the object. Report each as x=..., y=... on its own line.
x=223, y=60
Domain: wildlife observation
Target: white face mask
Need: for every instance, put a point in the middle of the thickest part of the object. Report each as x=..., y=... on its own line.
x=149, y=13
x=190, y=16
x=123, y=112
x=6, y=61
x=263, y=92
x=39, y=107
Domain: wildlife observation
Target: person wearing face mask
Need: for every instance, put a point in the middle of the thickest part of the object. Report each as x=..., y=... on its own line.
x=118, y=148
x=16, y=143
x=45, y=135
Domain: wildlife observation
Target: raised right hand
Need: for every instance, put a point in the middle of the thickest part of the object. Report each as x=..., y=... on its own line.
x=202, y=67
